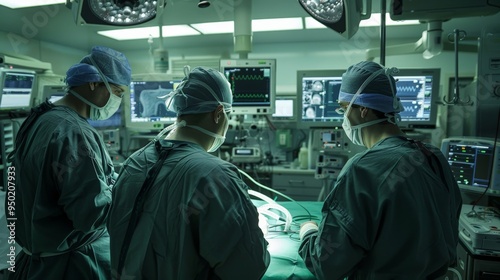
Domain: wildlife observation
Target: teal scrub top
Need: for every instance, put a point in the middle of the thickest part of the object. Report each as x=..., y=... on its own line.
x=63, y=182
x=198, y=221
x=389, y=216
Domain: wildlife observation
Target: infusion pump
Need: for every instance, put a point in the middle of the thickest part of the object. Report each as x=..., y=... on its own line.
x=246, y=155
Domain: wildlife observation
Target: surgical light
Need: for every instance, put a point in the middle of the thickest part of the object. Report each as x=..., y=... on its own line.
x=115, y=12
x=342, y=16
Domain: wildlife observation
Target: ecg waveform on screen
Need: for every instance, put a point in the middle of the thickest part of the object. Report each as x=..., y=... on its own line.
x=410, y=109
x=250, y=96
x=248, y=77
x=407, y=89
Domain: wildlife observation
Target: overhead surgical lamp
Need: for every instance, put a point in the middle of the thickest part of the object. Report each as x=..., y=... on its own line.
x=342, y=16
x=115, y=12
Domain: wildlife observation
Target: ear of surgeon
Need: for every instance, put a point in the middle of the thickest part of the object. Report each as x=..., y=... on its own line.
x=202, y=102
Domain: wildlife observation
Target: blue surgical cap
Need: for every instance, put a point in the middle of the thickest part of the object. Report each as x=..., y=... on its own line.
x=201, y=91
x=113, y=65
x=378, y=94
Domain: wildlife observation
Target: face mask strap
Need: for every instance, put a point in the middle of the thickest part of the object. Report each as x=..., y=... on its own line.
x=170, y=127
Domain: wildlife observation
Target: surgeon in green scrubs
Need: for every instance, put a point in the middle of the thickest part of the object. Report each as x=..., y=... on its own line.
x=64, y=175
x=394, y=209
x=180, y=212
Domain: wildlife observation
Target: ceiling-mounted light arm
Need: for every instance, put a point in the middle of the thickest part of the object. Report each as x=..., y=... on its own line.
x=383, y=28
x=243, y=28
x=433, y=39
x=342, y=16
x=160, y=55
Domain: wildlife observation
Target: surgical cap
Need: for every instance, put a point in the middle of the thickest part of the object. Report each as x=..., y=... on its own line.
x=378, y=94
x=113, y=65
x=201, y=91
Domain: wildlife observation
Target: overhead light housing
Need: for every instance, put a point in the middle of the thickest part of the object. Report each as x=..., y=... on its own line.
x=342, y=16
x=15, y=4
x=115, y=12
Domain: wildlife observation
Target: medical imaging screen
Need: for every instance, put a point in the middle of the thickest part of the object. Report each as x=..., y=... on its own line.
x=415, y=93
x=251, y=86
x=17, y=90
x=320, y=99
x=147, y=101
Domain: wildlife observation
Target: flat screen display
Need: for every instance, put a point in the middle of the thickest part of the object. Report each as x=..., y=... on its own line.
x=16, y=88
x=474, y=162
x=253, y=85
x=318, y=98
x=418, y=91
x=145, y=109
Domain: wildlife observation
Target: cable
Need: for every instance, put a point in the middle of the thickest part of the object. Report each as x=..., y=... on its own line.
x=274, y=191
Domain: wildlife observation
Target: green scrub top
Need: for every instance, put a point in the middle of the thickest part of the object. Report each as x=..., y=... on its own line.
x=198, y=220
x=63, y=182
x=389, y=216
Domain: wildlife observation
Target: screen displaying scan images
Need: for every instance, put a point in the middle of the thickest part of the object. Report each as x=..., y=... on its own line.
x=17, y=87
x=148, y=101
x=320, y=100
x=145, y=110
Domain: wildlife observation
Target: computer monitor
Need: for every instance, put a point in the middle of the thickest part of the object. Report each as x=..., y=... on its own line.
x=53, y=92
x=475, y=162
x=284, y=109
x=318, y=92
x=418, y=90
x=253, y=83
x=16, y=88
x=145, y=109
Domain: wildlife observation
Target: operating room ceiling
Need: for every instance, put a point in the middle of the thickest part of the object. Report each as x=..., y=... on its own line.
x=55, y=24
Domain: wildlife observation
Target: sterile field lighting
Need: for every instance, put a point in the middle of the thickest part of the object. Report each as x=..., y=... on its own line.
x=115, y=12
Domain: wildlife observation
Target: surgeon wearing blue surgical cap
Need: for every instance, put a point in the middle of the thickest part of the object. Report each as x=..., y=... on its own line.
x=64, y=175
x=192, y=217
x=393, y=210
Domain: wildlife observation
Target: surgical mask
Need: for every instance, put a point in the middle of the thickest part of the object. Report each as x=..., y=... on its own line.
x=218, y=139
x=104, y=112
x=354, y=133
